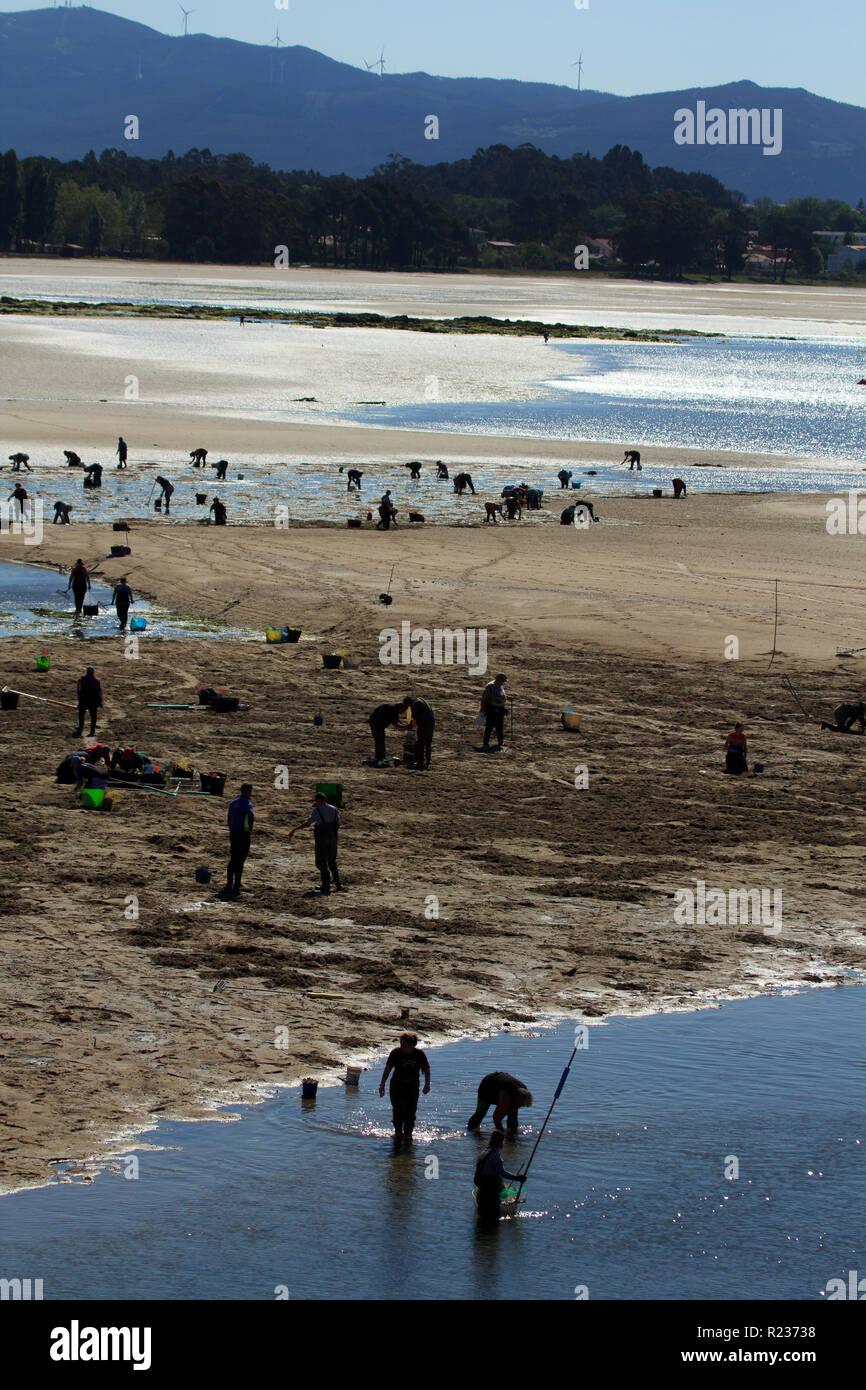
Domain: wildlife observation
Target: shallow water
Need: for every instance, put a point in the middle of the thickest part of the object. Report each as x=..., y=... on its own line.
x=627, y=1196
x=35, y=601
x=798, y=399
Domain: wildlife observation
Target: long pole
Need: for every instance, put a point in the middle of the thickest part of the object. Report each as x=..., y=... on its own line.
x=557, y=1093
x=775, y=626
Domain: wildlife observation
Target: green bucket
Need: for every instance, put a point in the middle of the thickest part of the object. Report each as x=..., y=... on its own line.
x=93, y=797
x=332, y=792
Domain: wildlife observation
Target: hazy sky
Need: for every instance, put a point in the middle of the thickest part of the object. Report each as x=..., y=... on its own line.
x=628, y=46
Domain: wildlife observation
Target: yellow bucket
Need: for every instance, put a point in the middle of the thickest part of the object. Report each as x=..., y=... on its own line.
x=273, y=634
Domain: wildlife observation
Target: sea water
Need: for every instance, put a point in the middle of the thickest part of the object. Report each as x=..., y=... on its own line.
x=36, y=602
x=706, y=1155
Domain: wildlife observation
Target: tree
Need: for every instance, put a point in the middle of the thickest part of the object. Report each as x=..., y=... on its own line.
x=10, y=199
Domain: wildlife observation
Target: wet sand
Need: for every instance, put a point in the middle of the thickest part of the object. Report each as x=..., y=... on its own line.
x=550, y=898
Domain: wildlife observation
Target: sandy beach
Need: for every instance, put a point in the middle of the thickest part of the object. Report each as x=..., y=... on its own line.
x=552, y=897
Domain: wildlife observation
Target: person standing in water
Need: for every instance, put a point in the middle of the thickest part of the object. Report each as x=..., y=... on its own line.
x=122, y=598
x=121, y=452
x=407, y=1062
x=167, y=489
x=489, y=1172
x=79, y=583
x=219, y=512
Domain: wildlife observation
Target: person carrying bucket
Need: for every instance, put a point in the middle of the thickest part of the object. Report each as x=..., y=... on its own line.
x=79, y=583
x=406, y=1062
x=325, y=822
x=489, y=1172
x=241, y=819
x=122, y=598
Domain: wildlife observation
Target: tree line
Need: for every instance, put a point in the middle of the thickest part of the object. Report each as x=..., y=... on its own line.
x=205, y=207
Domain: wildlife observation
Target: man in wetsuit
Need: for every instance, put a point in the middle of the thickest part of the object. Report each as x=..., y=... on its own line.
x=122, y=598
x=79, y=583
x=846, y=716
x=385, y=717
x=489, y=1172
x=425, y=722
x=508, y=1095
x=407, y=1062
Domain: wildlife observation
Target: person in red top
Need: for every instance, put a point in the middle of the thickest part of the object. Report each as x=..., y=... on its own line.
x=736, y=750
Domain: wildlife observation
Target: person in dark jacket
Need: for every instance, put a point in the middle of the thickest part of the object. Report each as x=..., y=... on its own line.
x=61, y=513
x=121, y=452
x=241, y=819
x=79, y=583
x=425, y=722
x=564, y=475
x=508, y=1095
x=89, y=700
x=122, y=598
x=219, y=512
x=386, y=717
x=489, y=1172
x=407, y=1062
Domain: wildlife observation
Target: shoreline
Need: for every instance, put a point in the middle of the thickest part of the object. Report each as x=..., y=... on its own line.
x=255, y=1093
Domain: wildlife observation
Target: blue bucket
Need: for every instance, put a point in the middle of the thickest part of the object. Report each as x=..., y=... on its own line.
x=575, y=484
x=137, y=624
x=758, y=767
x=202, y=875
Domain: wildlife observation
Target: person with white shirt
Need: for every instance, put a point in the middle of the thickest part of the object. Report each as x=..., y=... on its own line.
x=325, y=822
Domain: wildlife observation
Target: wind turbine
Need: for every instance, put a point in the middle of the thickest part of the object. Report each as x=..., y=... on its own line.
x=579, y=66
x=380, y=63
x=186, y=14
x=368, y=66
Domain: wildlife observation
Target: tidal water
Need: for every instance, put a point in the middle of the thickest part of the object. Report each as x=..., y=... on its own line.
x=709, y=1155
x=798, y=399
x=35, y=601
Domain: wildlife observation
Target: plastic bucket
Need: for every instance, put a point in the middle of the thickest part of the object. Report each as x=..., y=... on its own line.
x=570, y=719
x=657, y=492
x=308, y=1088
x=91, y=610
x=331, y=661
x=758, y=767
x=353, y=1075
x=575, y=484
x=8, y=699
x=93, y=797
x=354, y=523
x=212, y=782
x=137, y=624
x=225, y=704
x=292, y=634
x=273, y=634
x=202, y=875
x=201, y=498
x=331, y=791
x=43, y=663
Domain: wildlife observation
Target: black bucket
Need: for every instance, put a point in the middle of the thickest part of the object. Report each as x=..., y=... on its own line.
x=354, y=523
x=293, y=634
x=119, y=526
x=90, y=610
x=201, y=498
x=225, y=704
x=657, y=492
x=120, y=550
x=206, y=695
x=331, y=662
x=213, y=782
x=8, y=699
